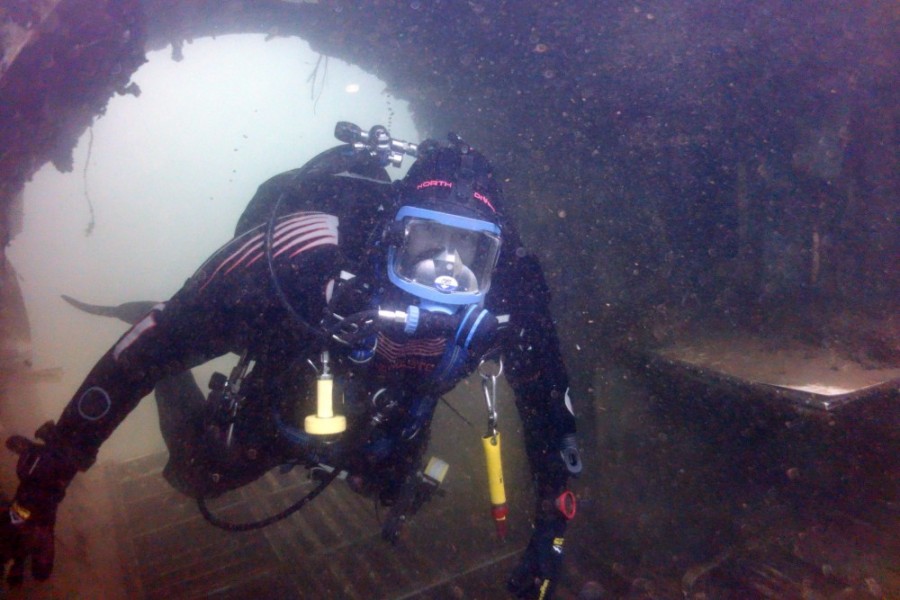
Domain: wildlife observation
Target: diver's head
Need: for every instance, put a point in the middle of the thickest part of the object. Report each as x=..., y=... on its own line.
x=445, y=237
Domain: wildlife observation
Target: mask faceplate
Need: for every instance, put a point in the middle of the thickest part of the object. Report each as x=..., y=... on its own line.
x=442, y=257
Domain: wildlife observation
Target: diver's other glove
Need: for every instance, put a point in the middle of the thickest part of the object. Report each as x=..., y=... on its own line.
x=45, y=471
x=539, y=569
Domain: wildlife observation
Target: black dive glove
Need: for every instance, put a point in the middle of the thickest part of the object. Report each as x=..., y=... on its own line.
x=44, y=470
x=540, y=567
x=538, y=571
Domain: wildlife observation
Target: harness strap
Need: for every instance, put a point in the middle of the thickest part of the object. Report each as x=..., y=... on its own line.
x=471, y=331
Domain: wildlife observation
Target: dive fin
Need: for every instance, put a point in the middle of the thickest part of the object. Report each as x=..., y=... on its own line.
x=130, y=312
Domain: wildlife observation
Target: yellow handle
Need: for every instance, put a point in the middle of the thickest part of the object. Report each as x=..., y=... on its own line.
x=324, y=398
x=325, y=422
x=491, y=445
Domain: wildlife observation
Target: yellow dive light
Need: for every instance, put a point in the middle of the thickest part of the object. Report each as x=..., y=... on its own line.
x=325, y=422
x=499, y=509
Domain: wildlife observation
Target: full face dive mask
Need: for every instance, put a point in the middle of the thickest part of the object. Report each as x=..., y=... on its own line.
x=444, y=259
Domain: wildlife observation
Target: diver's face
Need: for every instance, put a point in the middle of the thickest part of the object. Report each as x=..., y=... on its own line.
x=435, y=241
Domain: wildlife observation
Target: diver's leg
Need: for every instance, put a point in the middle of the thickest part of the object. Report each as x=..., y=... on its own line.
x=180, y=403
x=203, y=459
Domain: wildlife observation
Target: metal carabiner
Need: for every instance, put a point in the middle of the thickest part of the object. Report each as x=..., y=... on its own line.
x=489, y=388
x=232, y=393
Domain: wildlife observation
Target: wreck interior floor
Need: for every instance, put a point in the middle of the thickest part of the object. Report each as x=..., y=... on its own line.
x=153, y=543
x=156, y=545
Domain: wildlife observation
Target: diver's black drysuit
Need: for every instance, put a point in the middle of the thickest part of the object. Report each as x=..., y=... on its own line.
x=235, y=302
x=229, y=305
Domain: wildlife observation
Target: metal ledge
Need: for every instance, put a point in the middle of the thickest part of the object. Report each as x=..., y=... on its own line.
x=785, y=372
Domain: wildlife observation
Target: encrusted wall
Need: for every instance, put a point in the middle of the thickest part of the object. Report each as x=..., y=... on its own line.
x=62, y=60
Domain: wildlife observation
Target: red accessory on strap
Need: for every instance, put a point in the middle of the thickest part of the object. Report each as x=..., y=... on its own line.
x=499, y=513
x=565, y=503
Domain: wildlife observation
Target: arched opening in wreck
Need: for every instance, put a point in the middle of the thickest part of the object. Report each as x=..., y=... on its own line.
x=157, y=184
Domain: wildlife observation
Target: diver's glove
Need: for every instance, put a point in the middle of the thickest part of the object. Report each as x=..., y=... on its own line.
x=539, y=569
x=44, y=470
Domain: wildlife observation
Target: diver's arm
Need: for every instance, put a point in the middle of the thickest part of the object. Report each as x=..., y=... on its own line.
x=226, y=306
x=538, y=377
x=113, y=388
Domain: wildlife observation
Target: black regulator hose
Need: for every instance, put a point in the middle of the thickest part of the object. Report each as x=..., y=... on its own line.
x=253, y=525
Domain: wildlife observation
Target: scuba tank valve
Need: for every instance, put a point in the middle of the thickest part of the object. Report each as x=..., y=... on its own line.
x=325, y=422
x=377, y=142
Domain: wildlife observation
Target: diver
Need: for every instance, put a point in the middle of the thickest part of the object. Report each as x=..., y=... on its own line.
x=393, y=292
